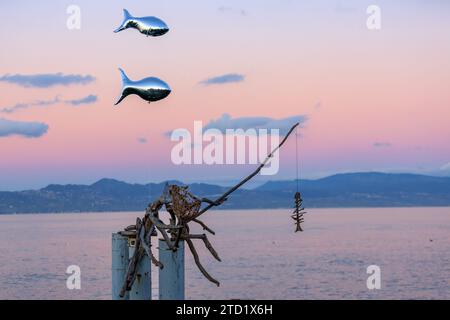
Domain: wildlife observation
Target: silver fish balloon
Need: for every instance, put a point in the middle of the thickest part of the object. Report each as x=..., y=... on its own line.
x=150, y=89
x=150, y=26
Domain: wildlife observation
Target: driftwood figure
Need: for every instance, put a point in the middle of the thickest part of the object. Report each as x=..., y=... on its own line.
x=183, y=208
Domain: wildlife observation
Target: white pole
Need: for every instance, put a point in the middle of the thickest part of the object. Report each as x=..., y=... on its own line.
x=171, y=277
x=119, y=264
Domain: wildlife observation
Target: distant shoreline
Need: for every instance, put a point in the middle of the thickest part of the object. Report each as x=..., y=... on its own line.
x=353, y=190
x=247, y=209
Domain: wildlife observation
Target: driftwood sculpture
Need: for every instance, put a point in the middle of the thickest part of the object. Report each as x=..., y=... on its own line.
x=183, y=208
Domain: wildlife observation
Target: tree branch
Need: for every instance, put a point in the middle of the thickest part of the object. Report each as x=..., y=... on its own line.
x=249, y=177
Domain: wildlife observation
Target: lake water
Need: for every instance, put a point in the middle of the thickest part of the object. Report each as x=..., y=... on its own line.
x=262, y=258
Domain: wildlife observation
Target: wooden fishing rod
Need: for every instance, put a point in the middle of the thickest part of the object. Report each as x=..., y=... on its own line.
x=223, y=198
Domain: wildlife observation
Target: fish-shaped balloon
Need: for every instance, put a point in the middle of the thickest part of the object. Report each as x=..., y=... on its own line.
x=150, y=26
x=150, y=89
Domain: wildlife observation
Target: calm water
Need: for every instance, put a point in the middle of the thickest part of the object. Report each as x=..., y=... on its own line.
x=262, y=257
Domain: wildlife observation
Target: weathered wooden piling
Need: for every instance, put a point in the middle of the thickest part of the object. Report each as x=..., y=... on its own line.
x=119, y=264
x=171, y=277
x=122, y=250
x=142, y=286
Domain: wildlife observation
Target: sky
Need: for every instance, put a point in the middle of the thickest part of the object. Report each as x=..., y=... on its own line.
x=369, y=100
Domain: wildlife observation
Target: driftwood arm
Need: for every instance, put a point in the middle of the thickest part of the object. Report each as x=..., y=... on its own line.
x=217, y=202
x=223, y=198
x=204, y=226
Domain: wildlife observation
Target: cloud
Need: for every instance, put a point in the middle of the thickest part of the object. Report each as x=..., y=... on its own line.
x=21, y=128
x=46, y=80
x=445, y=167
x=86, y=100
x=45, y=103
x=227, y=122
x=20, y=106
x=224, y=79
x=142, y=140
x=225, y=9
x=382, y=144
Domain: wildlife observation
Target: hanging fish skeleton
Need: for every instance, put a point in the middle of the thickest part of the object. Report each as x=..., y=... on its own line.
x=298, y=213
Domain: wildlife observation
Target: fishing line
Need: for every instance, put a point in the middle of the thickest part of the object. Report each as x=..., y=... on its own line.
x=296, y=158
x=297, y=215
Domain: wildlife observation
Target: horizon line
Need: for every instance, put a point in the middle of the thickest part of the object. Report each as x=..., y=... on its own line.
x=229, y=182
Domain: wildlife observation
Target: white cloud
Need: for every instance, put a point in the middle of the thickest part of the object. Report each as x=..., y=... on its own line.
x=227, y=122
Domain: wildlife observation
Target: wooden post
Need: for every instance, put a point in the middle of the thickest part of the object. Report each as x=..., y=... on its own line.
x=119, y=264
x=142, y=286
x=171, y=277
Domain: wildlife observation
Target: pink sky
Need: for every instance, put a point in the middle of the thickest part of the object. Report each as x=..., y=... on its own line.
x=388, y=87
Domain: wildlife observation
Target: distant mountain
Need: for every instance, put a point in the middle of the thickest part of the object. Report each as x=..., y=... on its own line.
x=368, y=190
x=342, y=190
